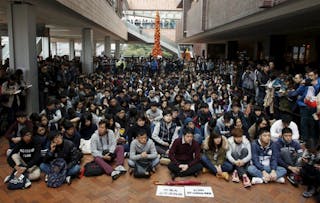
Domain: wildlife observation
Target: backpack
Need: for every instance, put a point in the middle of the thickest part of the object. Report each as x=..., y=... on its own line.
x=92, y=169
x=58, y=173
x=142, y=168
x=16, y=183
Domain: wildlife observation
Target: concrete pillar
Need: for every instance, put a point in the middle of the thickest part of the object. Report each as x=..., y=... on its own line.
x=107, y=46
x=22, y=40
x=87, y=50
x=94, y=48
x=71, y=49
x=45, y=47
x=117, y=51
x=1, y=59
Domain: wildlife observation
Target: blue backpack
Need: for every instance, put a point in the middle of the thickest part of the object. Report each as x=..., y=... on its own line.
x=58, y=173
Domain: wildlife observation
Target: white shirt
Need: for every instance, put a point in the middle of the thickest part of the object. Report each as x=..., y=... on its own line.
x=276, y=130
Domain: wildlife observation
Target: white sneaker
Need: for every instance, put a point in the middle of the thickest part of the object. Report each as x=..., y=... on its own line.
x=256, y=180
x=121, y=169
x=6, y=179
x=115, y=175
x=281, y=180
x=46, y=178
x=68, y=180
x=27, y=184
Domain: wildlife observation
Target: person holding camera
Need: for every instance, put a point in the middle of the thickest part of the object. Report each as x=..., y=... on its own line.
x=105, y=150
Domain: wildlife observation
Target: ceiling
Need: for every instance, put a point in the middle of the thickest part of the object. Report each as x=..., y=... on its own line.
x=62, y=22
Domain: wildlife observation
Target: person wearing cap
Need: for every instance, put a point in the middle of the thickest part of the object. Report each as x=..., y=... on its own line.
x=25, y=156
x=65, y=149
x=13, y=133
x=154, y=114
x=285, y=122
x=214, y=158
x=197, y=134
x=185, y=156
x=239, y=154
x=164, y=133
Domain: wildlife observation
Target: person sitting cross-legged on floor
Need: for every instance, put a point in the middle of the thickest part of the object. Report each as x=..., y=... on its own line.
x=239, y=154
x=25, y=156
x=264, y=167
x=185, y=156
x=65, y=149
x=289, y=155
x=141, y=149
x=214, y=158
x=104, y=148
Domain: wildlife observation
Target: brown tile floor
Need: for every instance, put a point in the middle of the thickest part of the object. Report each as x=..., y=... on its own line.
x=129, y=189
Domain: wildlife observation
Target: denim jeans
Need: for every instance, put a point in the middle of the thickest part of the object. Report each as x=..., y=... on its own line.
x=225, y=167
x=73, y=171
x=307, y=123
x=255, y=172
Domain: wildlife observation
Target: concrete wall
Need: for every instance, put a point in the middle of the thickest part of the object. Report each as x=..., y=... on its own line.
x=194, y=18
x=100, y=12
x=153, y=5
x=225, y=11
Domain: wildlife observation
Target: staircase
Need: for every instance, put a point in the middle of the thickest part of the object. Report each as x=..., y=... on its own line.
x=164, y=42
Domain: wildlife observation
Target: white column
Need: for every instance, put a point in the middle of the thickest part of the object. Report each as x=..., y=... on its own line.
x=117, y=51
x=94, y=48
x=87, y=50
x=45, y=47
x=107, y=46
x=1, y=51
x=22, y=39
x=71, y=49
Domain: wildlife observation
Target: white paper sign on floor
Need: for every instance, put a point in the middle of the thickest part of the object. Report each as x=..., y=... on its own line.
x=198, y=191
x=170, y=191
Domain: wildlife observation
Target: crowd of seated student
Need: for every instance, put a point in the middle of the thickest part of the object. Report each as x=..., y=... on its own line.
x=197, y=119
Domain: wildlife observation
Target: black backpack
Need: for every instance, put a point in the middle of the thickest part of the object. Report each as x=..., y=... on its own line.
x=92, y=169
x=143, y=168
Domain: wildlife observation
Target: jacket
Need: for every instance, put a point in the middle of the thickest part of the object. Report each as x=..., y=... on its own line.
x=67, y=151
x=244, y=145
x=217, y=158
x=264, y=156
x=294, y=148
x=101, y=143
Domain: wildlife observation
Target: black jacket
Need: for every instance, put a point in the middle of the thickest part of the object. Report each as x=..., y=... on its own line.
x=67, y=151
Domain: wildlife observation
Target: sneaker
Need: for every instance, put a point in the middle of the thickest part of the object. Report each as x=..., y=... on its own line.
x=256, y=180
x=165, y=161
x=6, y=179
x=115, y=175
x=68, y=180
x=235, y=177
x=46, y=178
x=205, y=170
x=223, y=175
x=121, y=169
x=246, y=181
x=281, y=180
x=27, y=184
x=126, y=155
x=292, y=179
x=309, y=193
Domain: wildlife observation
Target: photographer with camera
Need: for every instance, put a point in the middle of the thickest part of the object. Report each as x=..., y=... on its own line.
x=105, y=150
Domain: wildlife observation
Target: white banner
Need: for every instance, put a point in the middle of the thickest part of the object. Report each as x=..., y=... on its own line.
x=170, y=191
x=198, y=191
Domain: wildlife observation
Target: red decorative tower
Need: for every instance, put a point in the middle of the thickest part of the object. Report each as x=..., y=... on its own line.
x=156, y=51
